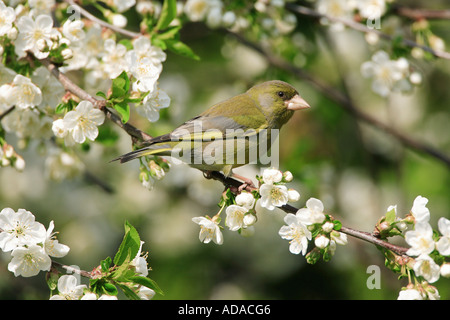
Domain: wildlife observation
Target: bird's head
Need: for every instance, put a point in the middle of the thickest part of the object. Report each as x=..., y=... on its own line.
x=278, y=100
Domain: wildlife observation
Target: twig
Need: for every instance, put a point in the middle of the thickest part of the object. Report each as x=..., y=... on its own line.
x=230, y=182
x=360, y=27
x=344, y=101
x=105, y=24
x=6, y=112
x=418, y=14
x=70, y=269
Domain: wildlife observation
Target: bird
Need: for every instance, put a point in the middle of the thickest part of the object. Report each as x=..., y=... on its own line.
x=231, y=133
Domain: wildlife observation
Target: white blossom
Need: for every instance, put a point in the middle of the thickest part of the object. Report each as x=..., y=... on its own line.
x=7, y=17
x=409, y=294
x=28, y=261
x=41, y=6
x=388, y=75
x=123, y=5
x=83, y=121
x=321, y=241
x=371, y=9
x=235, y=217
x=113, y=58
x=35, y=36
x=297, y=233
x=420, y=239
x=146, y=293
x=73, y=30
x=68, y=289
x=273, y=196
x=313, y=213
x=419, y=209
x=272, y=175
x=196, y=10
x=145, y=72
x=427, y=268
x=52, y=246
x=245, y=199
x=209, y=230
x=336, y=9
x=52, y=90
x=140, y=263
x=156, y=100
x=443, y=244
x=19, y=229
x=24, y=93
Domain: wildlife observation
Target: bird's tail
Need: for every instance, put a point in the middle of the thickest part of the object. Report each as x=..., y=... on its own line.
x=147, y=151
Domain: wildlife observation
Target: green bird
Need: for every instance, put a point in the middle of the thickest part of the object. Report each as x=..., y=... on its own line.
x=230, y=134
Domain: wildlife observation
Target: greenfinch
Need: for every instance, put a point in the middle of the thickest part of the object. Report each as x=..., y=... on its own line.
x=230, y=134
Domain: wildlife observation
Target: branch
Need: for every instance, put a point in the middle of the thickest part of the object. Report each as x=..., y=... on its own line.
x=419, y=14
x=344, y=101
x=70, y=269
x=360, y=27
x=105, y=24
x=6, y=112
x=233, y=183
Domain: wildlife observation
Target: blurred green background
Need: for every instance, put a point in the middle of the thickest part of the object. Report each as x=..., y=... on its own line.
x=355, y=169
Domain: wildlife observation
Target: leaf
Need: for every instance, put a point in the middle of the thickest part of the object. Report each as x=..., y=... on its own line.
x=390, y=216
x=170, y=34
x=130, y=245
x=101, y=94
x=147, y=282
x=129, y=292
x=120, y=86
x=182, y=49
x=168, y=13
x=109, y=289
x=105, y=264
x=124, y=110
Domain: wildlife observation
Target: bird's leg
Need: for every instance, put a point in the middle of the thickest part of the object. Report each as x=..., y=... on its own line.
x=247, y=182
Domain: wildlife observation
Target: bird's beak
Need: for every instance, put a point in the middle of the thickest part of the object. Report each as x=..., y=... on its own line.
x=296, y=103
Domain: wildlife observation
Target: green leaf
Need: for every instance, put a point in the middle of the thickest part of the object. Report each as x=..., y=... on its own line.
x=182, y=49
x=101, y=94
x=109, y=289
x=147, y=282
x=130, y=245
x=124, y=110
x=105, y=264
x=120, y=86
x=129, y=292
x=60, y=108
x=170, y=34
x=390, y=216
x=168, y=13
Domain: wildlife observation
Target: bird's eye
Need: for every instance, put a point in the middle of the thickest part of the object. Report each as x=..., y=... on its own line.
x=280, y=94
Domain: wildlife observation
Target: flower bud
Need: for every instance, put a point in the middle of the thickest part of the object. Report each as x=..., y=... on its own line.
x=328, y=227
x=155, y=170
x=19, y=164
x=287, y=176
x=321, y=242
x=293, y=195
x=250, y=219
x=445, y=270
x=67, y=53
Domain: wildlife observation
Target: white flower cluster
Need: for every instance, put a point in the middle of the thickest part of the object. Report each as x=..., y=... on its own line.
x=69, y=289
x=345, y=9
x=9, y=157
x=389, y=75
x=424, y=246
x=272, y=18
x=299, y=227
x=31, y=245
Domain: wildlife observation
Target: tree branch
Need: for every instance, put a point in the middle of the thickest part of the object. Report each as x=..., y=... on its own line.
x=418, y=14
x=360, y=27
x=229, y=182
x=105, y=24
